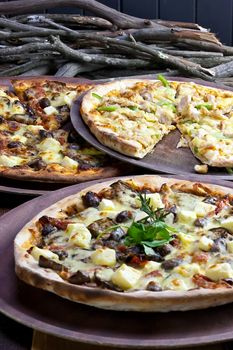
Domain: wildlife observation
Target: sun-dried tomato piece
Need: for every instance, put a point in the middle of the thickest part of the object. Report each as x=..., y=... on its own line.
x=204, y=282
x=200, y=257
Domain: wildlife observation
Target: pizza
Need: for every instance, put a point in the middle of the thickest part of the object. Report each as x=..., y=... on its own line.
x=131, y=116
x=50, y=100
x=31, y=152
x=143, y=243
x=13, y=109
x=38, y=143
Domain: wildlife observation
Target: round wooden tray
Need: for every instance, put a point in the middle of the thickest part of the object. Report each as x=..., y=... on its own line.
x=51, y=314
x=165, y=158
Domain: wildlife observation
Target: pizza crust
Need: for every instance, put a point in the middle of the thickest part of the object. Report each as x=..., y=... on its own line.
x=109, y=138
x=223, y=162
x=56, y=177
x=28, y=270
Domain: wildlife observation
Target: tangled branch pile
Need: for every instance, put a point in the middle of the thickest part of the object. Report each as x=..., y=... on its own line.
x=111, y=44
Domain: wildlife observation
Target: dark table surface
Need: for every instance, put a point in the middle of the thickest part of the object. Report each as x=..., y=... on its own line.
x=13, y=336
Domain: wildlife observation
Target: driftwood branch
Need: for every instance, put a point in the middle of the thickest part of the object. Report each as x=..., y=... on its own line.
x=180, y=24
x=111, y=41
x=199, y=45
x=210, y=62
x=157, y=56
x=118, y=19
x=68, y=20
x=24, y=67
x=173, y=35
x=75, y=55
x=187, y=53
x=25, y=56
x=71, y=69
x=37, y=71
x=104, y=74
x=159, y=33
x=224, y=70
x=31, y=47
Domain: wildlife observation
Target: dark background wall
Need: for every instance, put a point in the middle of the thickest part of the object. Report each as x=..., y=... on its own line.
x=214, y=14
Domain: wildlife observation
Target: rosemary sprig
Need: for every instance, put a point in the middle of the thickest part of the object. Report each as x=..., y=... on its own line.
x=151, y=231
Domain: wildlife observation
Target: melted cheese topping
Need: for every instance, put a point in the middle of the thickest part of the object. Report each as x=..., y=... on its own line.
x=23, y=144
x=144, y=112
x=202, y=244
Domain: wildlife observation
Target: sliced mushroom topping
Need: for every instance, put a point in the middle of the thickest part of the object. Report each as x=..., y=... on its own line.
x=170, y=264
x=91, y=199
x=99, y=226
x=44, y=133
x=124, y=216
x=37, y=164
x=75, y=147
x=62, y=254
x=44, y=102
x=173, y=210
x=50, y=264
x=14, y=144
x=210, y=200
x=63, y=109
x=219, y=245
x=153, y=287
x=47, y=229
x=106, y=284
x=200, y=222
x=229, y=281
x=124, y=193
x=117, y=234
x=164, y=249
x=85, y=166
x=221, y=232
x=22, y=118
x=80, y=277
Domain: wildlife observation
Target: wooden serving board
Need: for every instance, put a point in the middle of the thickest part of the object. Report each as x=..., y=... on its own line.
x=59, y=317
x=165, y=158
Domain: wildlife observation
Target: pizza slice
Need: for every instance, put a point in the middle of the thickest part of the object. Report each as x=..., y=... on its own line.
x=30, y=152
x=130, y=116
x=206, y=121
x=49, y=100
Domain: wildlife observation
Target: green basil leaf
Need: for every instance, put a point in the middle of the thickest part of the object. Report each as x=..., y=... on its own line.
x=148, y=251
x=155, y=243
x=136, y=232
x=150, y=231
x=128, y=241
